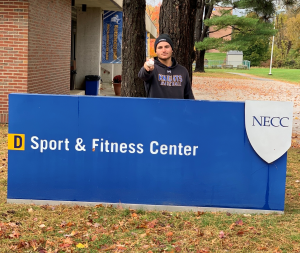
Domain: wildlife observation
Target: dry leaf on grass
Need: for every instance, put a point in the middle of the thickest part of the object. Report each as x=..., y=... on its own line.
x=221, y=235
x=80, y=246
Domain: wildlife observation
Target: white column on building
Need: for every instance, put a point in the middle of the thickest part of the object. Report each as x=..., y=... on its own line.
x=88, y=44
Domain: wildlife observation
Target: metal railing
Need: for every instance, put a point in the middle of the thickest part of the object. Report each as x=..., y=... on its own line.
x=219, y=64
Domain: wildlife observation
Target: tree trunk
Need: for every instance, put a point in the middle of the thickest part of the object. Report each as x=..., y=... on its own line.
x=200, y=61
x=177, y=18
x=201, y=31
x=289, y=47
x=133, y=47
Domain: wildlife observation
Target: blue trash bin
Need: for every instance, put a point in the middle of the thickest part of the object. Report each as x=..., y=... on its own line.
x=92, y=85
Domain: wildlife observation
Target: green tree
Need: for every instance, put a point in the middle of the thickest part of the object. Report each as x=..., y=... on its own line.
x=293, y=31
x=258, y=51
x=246, y=31
x=248, y=34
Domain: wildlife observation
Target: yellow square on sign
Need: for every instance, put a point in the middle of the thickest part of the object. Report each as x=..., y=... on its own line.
x=16, y=141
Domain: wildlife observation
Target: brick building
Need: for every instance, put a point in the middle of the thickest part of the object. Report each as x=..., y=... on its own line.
x=38, y=41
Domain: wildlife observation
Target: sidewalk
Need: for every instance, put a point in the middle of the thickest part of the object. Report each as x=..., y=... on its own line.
x=105, y=90
x=251, y=76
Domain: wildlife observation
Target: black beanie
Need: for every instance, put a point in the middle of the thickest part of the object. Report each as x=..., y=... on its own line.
x=163, y=37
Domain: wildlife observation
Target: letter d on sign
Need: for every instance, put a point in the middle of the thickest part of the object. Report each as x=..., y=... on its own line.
x=16, y=141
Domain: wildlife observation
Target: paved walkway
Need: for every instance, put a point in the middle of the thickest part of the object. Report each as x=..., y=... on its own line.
x=251, y=77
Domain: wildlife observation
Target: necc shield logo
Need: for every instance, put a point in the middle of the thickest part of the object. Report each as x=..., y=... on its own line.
x=269, y=127
x=16, y=141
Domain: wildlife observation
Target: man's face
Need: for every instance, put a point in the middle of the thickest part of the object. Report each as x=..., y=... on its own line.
x=164, y=50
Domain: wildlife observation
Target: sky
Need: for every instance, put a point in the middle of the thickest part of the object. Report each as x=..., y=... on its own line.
x=155, y=2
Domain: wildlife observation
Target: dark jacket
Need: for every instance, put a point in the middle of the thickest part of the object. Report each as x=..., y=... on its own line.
x=167, y=82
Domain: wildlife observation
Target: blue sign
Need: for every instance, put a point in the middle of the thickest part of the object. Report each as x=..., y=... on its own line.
x=160, y=152
x=112, y=37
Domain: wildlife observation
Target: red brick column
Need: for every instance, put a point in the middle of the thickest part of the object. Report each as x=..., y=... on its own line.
x=49, y=46
x=35, y=48
x=13, y=51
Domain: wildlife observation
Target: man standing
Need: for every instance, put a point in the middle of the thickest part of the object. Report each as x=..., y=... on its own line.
x=163, y=77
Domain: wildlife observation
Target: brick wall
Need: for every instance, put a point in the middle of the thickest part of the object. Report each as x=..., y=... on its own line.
x=49, y=46
x=13, y=51
x=35, y=48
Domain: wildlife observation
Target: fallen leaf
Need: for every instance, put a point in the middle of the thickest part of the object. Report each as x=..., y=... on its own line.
x=121, y=247
x=80, y=246
x=202, y=251
x=22, y=244
x=15, y=234
x=49, y=243
x=240, y=232
x=232, y=226
x=107, y=248
x=70, y=224
x=152, y=224
x=65, y=245
x=33, y=244
x=277, y=250
x=169, y=234
x=63, y=224
x=239, y=222
x=133, y=215
x=12, y=224
x=96, y=225
x=68, y=240
x=42, y=225
x=262, y=248
x=221, y=235
x=72, y=234
x=30, y=210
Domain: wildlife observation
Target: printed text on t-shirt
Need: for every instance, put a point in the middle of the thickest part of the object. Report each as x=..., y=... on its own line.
x=169, y=80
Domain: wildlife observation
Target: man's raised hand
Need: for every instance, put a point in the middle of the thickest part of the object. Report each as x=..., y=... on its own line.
x=149, y=64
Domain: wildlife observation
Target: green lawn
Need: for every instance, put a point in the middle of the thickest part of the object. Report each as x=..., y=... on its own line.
x=215, y=56
x=289, y=75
